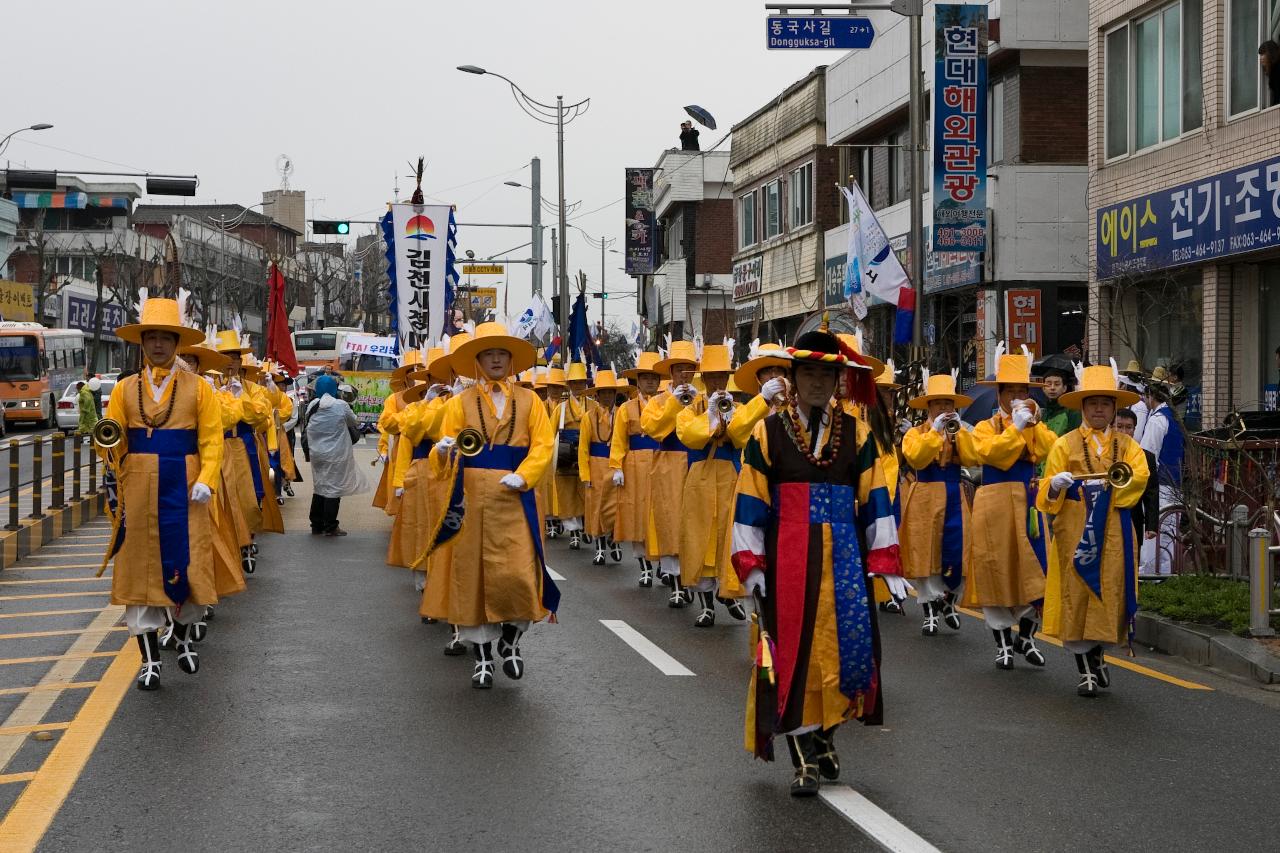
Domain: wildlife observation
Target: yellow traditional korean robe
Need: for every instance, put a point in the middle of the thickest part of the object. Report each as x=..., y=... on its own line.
x=283, y=405
x=707, y=500
x=494, y=575
x=253, y=409
x=594, y=452
x=924, y=503
x=567, y=500
x=666, y=482
x=230, y=531
x=272, y=521
x=384, y=496
x=636, y=465
x=1071, y=610
x=411, y=528
x=137, y=575
x=1006, y=545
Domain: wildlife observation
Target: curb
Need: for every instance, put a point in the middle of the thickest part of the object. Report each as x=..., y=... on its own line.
x=35, y=532
x=1205, y=646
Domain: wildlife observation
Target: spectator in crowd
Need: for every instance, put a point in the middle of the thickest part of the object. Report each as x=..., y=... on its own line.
x=89, y=411
x=1147, y=510
x=330, y=430
x=688, y=136
x=1059, y=378
x=1269, y=60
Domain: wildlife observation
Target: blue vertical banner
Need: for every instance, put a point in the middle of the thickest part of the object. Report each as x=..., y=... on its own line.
x=960, y=128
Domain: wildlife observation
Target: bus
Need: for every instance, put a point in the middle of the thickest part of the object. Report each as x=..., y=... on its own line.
x=323, y=348
x=36, y=365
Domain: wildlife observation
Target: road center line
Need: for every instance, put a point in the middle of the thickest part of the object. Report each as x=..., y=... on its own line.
x=877, y=824
x=645, y=647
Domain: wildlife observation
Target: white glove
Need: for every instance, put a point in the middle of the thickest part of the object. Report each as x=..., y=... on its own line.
x=200, y=493
x=382, y=457
x=775, y=386
x=444, y=445
x=905, y=425
x=618, y=479
x=1061, y=482
x=754, y=583
x=270, y=384
x=434, y=391
x=940, y=421
x=513, y=481
x=235, y=387
x=1021, y=418
x=400, y=492
x=681, y=390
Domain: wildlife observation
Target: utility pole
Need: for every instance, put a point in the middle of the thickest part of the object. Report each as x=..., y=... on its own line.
x=536, y=186
x=917, y=177
x=564, y=235
x=555, y=259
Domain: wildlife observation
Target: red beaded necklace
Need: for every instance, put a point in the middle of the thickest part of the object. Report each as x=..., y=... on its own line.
x=800, y=436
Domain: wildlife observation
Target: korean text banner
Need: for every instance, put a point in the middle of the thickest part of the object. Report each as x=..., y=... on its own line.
x=640, y=246
x=369, y=345
x=422, y=237
x=17, y=301
x=960, y=129
x=1224, y=214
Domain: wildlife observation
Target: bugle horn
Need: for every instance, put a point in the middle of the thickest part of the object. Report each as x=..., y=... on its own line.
x=107, y=433
x=686, y=397
x=724, y=405
x=470, y=442
x=951, y=427
x=1119, y=475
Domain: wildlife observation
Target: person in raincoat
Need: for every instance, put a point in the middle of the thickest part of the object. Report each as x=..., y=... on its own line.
x=333, y=462
x=88, y=406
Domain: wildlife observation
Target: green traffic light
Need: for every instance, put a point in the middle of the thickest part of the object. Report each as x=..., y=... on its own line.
x=344, y=227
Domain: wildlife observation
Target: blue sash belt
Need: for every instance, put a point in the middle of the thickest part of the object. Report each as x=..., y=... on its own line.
x=504, y=457
x=641, y=442
x=422, y=449
x=1087, y=560
x=952, y=520
x=600, y=449
x=245, y=434
x=729, y=453
x=570, y=435
x=834, y=505
x=171, y=447
x=1022, y=472
x=673, y=444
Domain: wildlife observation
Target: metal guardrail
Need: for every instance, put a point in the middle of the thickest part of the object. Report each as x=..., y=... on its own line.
x=80, y=469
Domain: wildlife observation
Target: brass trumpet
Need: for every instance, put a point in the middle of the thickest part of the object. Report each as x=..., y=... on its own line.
x=686, y=397
x=470, y=442
x=724, y=405
x=951, y=427
x=1118, y=475
x=107, y=433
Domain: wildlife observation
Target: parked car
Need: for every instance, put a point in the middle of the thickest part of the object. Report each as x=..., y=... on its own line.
x=68, y=410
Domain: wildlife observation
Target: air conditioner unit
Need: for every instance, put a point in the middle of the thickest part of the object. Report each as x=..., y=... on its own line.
x=706, y=282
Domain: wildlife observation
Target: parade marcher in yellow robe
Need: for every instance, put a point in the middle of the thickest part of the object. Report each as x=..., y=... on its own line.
x=389, y=428
x=811, y=521
x=567, y=500
x=935, y=512
x=1091, y=594
x=1005, y=552
x=265, y=437
x=671, y=464
x=417, y=426
x=166, y=465
x=631, y=459
x=702, y=426
x=280, y=457
x=553, y=384
x=594, y=451
x=497, y=585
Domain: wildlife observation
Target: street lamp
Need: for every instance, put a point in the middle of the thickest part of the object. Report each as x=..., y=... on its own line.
x=550, y=115
x=4, y=143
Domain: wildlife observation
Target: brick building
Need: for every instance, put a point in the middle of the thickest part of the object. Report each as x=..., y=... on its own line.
x=1184, y=196
x=1036, y=173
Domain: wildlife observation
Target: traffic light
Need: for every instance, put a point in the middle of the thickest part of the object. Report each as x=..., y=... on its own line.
x=330, y=226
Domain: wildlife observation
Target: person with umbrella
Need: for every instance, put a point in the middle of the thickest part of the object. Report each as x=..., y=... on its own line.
x=1059, y=376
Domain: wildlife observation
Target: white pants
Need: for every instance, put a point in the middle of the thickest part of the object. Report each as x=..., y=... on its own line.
x=637, y=550
x=1160, y=562
x=141, y=618
x=1079, y=647
x=706, y=585
x=933, y=588
x=571, y=524
x=419, y=580
x=669, y=566
x=999, y=618
x=480, y=634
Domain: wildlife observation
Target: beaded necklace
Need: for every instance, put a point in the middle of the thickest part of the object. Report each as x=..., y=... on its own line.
x=142, y=412
x=595, y=423
x=1088, y=454
x=800, y=437
x=511, y=421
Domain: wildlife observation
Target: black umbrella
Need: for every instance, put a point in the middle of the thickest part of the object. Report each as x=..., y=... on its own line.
x=701, y=116
x=986, y=400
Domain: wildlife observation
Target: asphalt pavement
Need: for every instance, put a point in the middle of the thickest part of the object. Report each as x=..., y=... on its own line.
x=325, y=717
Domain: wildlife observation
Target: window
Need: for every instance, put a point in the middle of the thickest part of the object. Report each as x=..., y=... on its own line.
x=771, y=195
x=1153, y=79
x=800, y=192
x=899, y=166
x=747, y=220
x=1251, y=22
x=995, y=123
x=673, y=236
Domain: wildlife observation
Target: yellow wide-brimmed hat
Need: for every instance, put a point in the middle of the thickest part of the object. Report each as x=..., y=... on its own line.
x=160, y=315
x=682, y=352
x=577, y=372
x=210, y=359
x=422, y=371
x=762, y=356
x=1012, y=370
x=606, y=382
x=646, y=363
x=552, y=378
x=854, y=342
x=941, y=386
x=249, y=367
x=228, y=341
x=716, y=358
x=492, y=336
x=526, y=378
x=887, y=376
x=1134, y=370
x=1098, y=381
x=410, y=361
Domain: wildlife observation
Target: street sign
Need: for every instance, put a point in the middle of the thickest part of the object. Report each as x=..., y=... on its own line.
x=808, y=32
x=482, y=269
x=483, y=297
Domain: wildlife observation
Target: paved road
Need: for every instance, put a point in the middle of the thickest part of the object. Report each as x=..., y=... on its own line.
x=325, y=718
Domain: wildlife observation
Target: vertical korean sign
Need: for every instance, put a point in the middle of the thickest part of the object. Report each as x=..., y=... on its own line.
x=1022, y=308
x=960, y=129
x=640, y=227
x=422, y=236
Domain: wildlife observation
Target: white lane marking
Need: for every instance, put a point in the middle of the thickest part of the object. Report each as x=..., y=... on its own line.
x=875, y=822
x=645, y=647
x=555, y=576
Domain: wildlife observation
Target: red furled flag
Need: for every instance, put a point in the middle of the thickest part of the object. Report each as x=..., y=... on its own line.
x=279, y=344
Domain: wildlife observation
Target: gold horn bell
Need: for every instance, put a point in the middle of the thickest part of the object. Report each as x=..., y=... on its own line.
x=470, y=442
x=1118, y=475
x=724, y=405
x=107, y=433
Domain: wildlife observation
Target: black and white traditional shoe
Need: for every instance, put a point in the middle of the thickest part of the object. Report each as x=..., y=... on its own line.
x=676, y=599
x=598, y=559
x=1088, y=686
x=930, y=626
x=1004, y=648
x=824, y=754
x=166, y=637
x=149, y=675
x=1098, y=664
x=805, y=783
x=587, y=538
x=646, y=573
x=248, y=562
x=208, y=613
x=288, y=490
x=615, y=551
x=199, y=630
x=950, y=615
x=455, y=646
x=551, y=529
x=891, y=606
x=666, y=579
x=575, y=540
x=509, y=651
x=707, y=615
x=735, y=608
x=1025, y=643
x=482, y=675
x=253, y=548
x=188, y=659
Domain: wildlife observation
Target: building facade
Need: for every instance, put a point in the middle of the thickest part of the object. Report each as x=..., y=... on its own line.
x=1030, y=285
x=1184, y=196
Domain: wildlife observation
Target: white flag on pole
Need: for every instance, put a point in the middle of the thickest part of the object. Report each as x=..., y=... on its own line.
x=536, y=321
x=872, y=267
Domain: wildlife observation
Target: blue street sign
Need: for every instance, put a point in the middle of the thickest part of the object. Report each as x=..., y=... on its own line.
x=806, y=32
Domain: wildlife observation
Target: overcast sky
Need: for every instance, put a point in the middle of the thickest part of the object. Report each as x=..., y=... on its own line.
x=352, y=91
